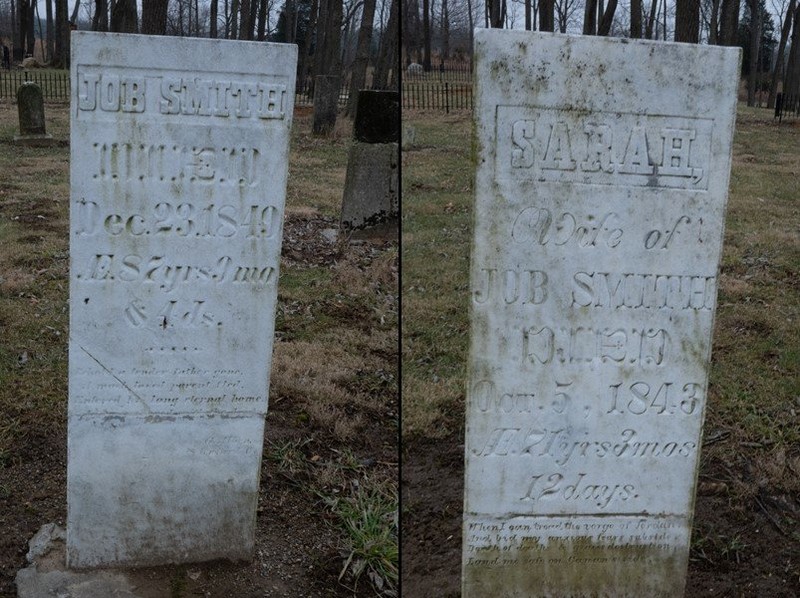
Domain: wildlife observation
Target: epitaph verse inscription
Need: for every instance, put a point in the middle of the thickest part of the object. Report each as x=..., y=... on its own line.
x=177, y=193
x=598, y=222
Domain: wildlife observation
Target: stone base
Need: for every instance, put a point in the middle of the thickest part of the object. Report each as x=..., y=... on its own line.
x=47, y=574
x=45, y=140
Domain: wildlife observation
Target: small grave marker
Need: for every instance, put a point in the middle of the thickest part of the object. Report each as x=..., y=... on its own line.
x=30, y=106
x=602, y=180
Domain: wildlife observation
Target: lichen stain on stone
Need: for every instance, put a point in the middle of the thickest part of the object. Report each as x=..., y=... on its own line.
x=575, y=567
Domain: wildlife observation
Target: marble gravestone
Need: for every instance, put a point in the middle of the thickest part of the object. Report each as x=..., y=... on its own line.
x=602, y=179
x=179, y=156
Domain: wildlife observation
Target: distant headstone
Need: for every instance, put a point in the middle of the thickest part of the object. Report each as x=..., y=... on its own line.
x=178, y=180
x=602, y=180
x=326, y=104
x=30, y=106
x=370, y=200
x=414, y=69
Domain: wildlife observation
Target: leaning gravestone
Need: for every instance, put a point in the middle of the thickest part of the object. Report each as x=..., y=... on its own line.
x=30, y=107
x=603, y=170
x=369, y=202
x=178, y=179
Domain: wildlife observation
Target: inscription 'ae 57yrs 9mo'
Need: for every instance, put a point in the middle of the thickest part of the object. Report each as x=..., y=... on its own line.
x=602, y=179
x=178, y=180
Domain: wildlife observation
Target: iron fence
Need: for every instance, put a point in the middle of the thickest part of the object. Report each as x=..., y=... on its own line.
x=437, y=96
x=54, y=84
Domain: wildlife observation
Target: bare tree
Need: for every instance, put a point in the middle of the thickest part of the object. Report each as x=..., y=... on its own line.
x=124, y=18
x=359, y=75
x=636, y=19
x=791, y=86
x=388, y=54
x=729, y=22
x=546, y=15
x=154, y=17
x=604, y=23
x=100, y=19
x=778, y=70
x=51, y=40
x=755, y=44
x=687, y=21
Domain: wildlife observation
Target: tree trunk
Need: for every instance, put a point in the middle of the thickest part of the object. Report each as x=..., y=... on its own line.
x=244, y=23
x=495, y=13
x=61, y=52
x=124, y=17
x=361, y=62
x=51, y=31
x=305, y=56
x=604, y=26
x=471, y=31
x=234, y=27
x=100, y=19
x=426, y=35
x=713, y=27
x=154, y=17
x=213, y=10
x=445, y=28
x=387, y=57
x=755, y=39
x=261, y=30
x=636, y=19
x=651, y=20
x=687, y=21
x=590, y=17
x=546, y=15
x=778, y=70
x=30, y=34
x=791, y=87
x=729, y=22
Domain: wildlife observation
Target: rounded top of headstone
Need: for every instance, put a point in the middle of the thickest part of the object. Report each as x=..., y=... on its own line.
x=29, y=89
x=377, y=117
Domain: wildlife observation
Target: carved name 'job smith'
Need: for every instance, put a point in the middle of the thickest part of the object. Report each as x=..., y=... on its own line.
x=181, y=95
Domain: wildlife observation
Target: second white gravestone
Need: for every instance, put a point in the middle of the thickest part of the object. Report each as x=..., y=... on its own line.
x=179, y=157
x=602, y=180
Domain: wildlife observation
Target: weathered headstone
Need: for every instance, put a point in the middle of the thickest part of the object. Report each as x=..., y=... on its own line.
x=178, y=180
x=326, y=104
x=30, y=106
x=603, y=169
x=370, y=201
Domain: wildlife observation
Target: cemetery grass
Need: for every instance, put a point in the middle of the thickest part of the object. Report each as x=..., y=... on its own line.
x=746, y=533
x=328, y=506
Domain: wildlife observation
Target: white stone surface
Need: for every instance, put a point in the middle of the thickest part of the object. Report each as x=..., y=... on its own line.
x=602, y=180
x=179, y=156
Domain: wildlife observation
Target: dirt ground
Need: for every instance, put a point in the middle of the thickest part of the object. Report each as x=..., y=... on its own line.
x=314, y=461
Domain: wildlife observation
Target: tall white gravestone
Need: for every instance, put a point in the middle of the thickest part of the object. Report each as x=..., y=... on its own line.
x=179, y=156
x=602, y=179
